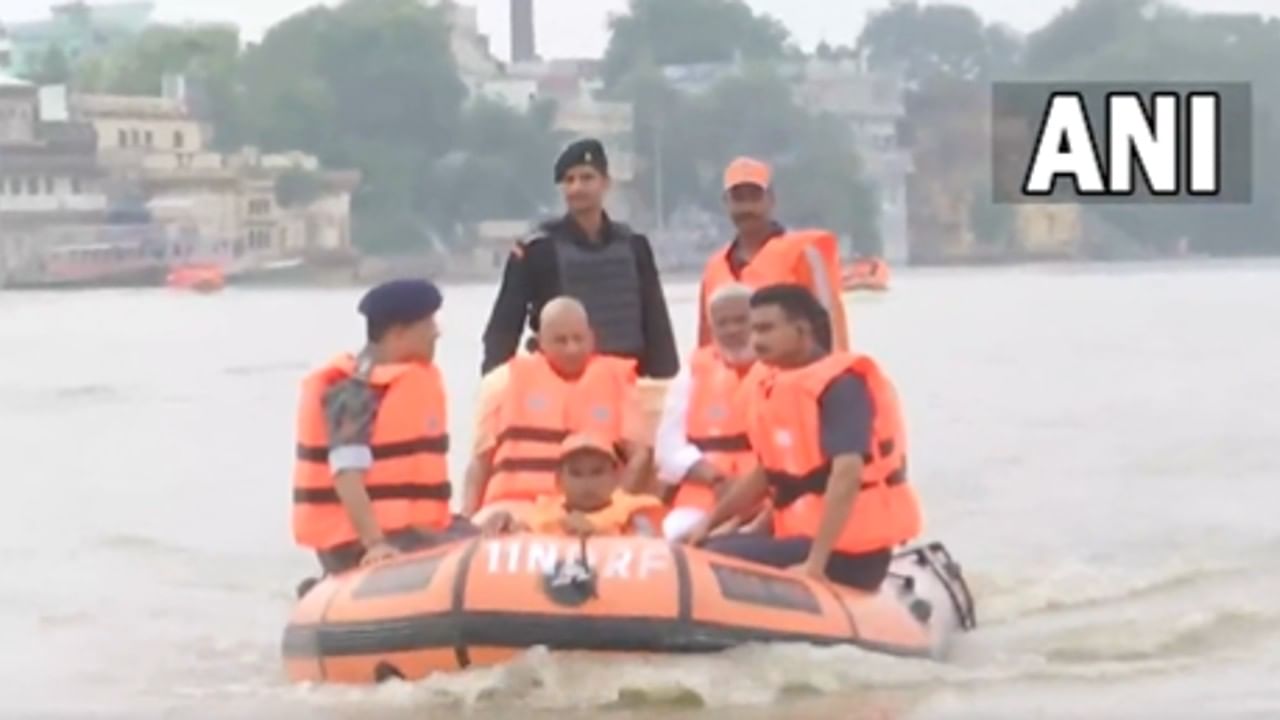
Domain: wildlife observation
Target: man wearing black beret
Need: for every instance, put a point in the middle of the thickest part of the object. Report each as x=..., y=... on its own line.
x=371, y=478
x=606, y=265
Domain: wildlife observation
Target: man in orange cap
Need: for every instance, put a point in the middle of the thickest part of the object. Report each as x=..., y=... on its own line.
x=764, y=253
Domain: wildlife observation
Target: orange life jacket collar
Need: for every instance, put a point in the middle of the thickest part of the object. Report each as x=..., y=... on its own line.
x=616, y=518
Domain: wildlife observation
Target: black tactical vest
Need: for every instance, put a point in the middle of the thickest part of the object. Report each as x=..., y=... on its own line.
x=605, y=280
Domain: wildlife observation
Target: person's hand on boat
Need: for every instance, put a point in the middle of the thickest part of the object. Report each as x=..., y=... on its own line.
x=576, y=523
x=378, y=552
x=809, y=570
x=499, y=523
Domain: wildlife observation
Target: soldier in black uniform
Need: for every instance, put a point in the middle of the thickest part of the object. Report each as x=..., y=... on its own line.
x=606, y=265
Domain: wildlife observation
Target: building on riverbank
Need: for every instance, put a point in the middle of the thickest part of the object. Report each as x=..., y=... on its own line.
x=118, y=181
x=55, y=210
x=243, y=208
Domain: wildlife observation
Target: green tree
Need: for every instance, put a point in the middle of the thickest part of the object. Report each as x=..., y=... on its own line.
x=755, y=113
x=678, y=32
x=500, y=168
x=371, y=85
x=54, y=68
x=657, y=33
x=923, y=42
x=1082, y=30
x=821, y=185
x=297, y=188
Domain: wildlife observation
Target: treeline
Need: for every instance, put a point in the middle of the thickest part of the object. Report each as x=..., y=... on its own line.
x=372, y=85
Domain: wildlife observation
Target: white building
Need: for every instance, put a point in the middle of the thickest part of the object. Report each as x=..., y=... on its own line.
x=44, y=173
x=212, y=205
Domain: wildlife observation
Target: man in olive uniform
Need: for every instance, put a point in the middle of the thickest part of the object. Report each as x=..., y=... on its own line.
x=605, y=265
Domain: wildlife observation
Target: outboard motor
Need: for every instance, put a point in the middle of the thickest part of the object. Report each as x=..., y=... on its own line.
x=938, y=560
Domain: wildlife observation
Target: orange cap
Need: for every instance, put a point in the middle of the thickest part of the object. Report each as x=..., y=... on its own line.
x=747, y=171
x=582, y=441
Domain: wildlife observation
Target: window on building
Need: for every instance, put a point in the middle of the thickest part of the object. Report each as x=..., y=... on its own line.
x=150, y=139
x=76, y=188
x=15, y=186
x=259, y=206
x=122, y=138
x=259, y=238
x=48, y=185
x=135, y=137
x=178, y=139
x=33, y=186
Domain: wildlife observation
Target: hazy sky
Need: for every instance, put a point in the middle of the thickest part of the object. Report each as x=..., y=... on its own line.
x=577, y=28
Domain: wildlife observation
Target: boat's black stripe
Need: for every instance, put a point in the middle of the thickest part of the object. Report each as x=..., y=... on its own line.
x=458, y=603
x=684, y=585
x=557, y=632
x=844, y=609
x=324, y=669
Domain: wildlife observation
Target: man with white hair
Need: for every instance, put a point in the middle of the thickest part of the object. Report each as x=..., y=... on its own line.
x=702, y=439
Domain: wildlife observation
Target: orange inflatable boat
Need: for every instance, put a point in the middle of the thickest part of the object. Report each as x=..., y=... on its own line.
x=482, y=601
x=201, y=278
x=866, y=274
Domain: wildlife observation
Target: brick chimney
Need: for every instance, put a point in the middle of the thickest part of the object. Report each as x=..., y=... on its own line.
x=522, y=40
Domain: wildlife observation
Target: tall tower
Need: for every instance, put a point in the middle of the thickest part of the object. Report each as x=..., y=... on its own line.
x=523, y=48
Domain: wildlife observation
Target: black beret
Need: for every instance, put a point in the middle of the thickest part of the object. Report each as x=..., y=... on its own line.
x=401, y=302
x=582, y=152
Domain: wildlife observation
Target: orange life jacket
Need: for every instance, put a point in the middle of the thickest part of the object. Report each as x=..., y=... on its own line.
x=617, y=518
x=786, y=435
x=408, y=483
x=782, y=260
x=539, y=409
x=716, y=424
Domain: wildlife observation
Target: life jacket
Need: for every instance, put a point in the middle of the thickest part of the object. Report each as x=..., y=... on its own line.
x=786, y=258
x=617, y=518
x=785, y=433
x=606, y=280
x=408, y=483
x=539, y=409
x=716, y=424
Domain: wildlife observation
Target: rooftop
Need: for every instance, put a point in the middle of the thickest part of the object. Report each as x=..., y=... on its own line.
x=130, y=106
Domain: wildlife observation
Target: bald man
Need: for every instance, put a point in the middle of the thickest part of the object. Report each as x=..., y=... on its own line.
x=532, y=402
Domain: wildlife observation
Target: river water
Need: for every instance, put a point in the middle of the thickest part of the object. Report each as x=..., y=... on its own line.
x=1095, y=444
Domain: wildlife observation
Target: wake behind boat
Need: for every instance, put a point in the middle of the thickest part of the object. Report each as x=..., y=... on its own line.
x=481, y=602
